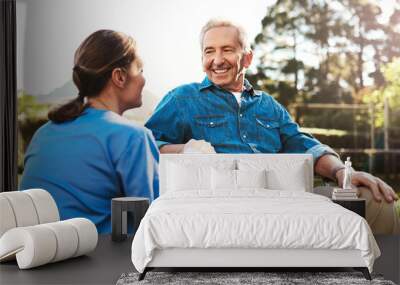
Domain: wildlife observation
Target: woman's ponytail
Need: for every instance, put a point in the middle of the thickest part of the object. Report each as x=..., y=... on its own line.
x=95, y=60
x=68, y=111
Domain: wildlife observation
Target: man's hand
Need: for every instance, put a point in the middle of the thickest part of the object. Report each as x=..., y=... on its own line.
x=376, y=185
x=192, y=146
x=198, y=146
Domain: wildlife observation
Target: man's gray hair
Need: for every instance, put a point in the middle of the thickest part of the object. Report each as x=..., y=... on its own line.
x=216, y=23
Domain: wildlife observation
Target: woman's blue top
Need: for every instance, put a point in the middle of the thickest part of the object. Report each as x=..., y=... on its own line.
x=84, y=163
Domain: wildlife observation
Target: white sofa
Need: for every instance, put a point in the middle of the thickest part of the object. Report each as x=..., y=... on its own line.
x=31, y=231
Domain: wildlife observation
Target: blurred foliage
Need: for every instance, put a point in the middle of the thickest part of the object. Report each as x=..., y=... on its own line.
x=390, y=90
x=31, y=116
x=333, y=52
x=29, y=108
x=318, y=51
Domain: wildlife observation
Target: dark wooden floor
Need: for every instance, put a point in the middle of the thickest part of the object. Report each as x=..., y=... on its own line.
x=389, y=262
x=110, y=260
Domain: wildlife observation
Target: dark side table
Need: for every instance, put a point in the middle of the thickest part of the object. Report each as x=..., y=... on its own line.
x=355, y=205
x=120, y=207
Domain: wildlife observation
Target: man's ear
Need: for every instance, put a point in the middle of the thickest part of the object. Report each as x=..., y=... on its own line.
x=118, y=77
x=247, y=59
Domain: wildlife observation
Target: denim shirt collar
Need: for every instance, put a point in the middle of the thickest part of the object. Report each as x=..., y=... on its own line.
x=206, y=83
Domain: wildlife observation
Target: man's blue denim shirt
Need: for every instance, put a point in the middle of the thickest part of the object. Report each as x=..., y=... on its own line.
x=204, y=111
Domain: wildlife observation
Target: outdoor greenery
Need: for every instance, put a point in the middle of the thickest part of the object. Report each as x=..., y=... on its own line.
x=330, y=53
x=324, y=51
x=31, y=115
x=390, y=90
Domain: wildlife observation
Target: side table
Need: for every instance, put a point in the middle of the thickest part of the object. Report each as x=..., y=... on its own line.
x=119, y=208
x=355, y=205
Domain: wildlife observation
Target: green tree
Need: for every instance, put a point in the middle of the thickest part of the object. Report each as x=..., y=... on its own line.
x=391, y=91
x=319, y=50
x=366, y=32
x=292, y=29
x=283, y=31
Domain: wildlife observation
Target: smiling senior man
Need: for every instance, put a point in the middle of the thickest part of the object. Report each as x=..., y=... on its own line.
x=224, y=114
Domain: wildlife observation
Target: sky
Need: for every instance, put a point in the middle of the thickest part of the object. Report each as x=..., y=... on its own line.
x=166, y=31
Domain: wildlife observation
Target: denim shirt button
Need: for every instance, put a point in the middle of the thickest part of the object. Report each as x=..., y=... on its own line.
x=244, y=136
x=211, y=123
x=241, y=115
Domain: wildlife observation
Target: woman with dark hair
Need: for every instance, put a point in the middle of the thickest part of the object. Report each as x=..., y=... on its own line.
x=88, y=153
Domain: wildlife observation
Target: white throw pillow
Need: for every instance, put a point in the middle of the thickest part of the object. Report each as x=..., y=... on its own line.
x=188, y=173
x=251, y=178
x=185, y=177
x=279, y=180
x=280, y=174
x=225, y=179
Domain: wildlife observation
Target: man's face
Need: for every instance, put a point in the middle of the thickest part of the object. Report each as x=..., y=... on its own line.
x=224, y=60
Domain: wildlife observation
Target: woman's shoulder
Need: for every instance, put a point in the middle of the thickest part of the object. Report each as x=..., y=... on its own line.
x=119, y=126
x=122, y=122
x=117, y=132
x=105, y=126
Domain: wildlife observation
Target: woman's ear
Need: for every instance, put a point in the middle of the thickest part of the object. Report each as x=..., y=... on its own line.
x=119, y=77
